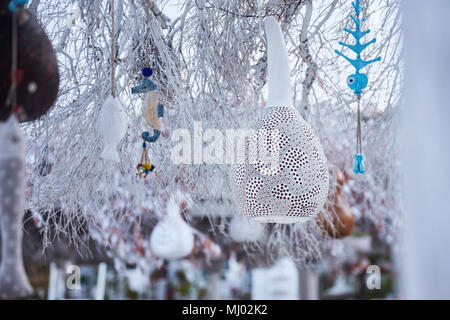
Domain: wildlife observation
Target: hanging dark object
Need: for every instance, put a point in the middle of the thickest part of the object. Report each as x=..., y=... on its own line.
x=36, y=75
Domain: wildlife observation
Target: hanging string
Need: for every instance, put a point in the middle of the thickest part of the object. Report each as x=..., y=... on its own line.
x=358, y=166
x=147, y=33
x=113, y=50
x=11, y=99
x=148, y=87
x=358, y=129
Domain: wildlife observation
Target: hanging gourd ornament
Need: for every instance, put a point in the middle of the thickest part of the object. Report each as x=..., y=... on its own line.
x=358, y=81
x=172, y=238
x=293, y=187
x=29, y=76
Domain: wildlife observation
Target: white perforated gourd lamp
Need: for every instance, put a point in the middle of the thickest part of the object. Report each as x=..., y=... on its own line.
x=296, y=188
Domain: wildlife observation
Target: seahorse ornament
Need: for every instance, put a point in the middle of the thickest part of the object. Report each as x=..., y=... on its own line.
x=152, y=111
x=358, y=81
x=13, y=279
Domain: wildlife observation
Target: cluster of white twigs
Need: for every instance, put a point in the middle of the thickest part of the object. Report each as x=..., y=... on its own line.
x=210, y=64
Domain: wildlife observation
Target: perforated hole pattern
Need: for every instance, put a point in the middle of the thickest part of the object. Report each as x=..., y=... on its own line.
x=297, y=187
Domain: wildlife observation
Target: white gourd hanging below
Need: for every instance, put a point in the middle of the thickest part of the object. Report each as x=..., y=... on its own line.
x=112, y=126
x=294, y=188
x=172, y=238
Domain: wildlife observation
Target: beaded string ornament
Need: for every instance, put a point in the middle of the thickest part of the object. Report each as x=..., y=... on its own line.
x=144, y=167
x=358, y=81
x=152, y=110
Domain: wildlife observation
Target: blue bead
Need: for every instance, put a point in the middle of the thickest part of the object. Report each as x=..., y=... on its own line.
x=144, y=145
x=147, y=72
x=358, y=166
x=15, y=3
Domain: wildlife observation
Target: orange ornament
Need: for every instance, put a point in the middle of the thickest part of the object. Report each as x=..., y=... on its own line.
x=342, y=223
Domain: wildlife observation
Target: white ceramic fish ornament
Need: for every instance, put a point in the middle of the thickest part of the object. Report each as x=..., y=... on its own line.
x=13, y=279
x=243, y=229
x=112, y=126
x=172, y=238
x=290, y=184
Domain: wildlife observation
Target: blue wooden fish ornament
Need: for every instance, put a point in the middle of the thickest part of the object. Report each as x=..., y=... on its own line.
x=358, y=81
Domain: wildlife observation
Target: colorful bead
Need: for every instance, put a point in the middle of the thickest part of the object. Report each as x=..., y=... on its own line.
x=147, y=166
x=147, y=72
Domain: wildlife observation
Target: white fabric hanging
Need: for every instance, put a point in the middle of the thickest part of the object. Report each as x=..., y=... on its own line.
x=425, y=259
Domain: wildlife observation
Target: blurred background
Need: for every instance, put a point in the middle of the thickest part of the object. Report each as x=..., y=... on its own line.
x=224, y=273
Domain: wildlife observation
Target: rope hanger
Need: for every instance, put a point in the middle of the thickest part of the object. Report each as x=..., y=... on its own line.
x=113, y=49
x=11, y=99
x=147, y=33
